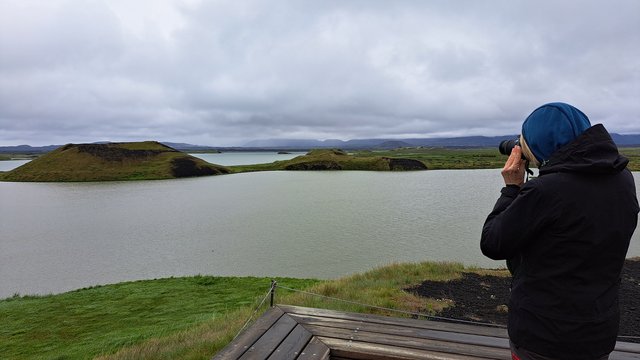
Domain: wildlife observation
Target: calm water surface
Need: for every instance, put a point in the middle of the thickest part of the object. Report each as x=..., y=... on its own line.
x=246, y=158
x=7, y=165
x=58, y=237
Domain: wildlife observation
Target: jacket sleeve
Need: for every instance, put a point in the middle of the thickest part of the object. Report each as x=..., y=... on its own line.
x=516, y=218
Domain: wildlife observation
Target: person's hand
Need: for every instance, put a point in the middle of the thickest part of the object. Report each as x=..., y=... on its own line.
x=513, y=171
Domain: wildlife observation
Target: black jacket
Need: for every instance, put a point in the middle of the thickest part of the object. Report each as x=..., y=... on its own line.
x=570, y=229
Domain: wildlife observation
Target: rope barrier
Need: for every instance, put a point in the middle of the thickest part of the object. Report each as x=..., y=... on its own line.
x=274, y=285
x=628, y=337
x=269, y=293
x=470, y=322
x=396, y=310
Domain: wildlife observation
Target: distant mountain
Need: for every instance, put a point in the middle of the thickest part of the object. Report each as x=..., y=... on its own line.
x=26, y=149
x=626, y=140
x=294, y=143
x=190, y=147
x=466, y=141
x=470, y=141
x=302, y=144
x=393, y=144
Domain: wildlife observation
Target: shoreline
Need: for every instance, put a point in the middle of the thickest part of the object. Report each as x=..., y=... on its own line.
x=19, y=295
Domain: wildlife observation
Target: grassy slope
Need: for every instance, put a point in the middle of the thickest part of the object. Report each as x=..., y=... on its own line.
x=187, y=318
x=84, y=323
x=380, y=287
x=118, y=161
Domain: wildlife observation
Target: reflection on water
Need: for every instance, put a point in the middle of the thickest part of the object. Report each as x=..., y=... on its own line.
x=57, y=237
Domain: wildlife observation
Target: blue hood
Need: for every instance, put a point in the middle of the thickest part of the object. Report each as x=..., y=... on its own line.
x=552, y=126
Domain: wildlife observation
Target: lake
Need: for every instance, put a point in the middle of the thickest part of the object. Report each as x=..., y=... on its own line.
x=246, y=158
x=56, y=237
x=7, y=165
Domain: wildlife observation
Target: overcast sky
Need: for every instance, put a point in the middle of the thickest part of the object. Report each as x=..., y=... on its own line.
x=222, y=73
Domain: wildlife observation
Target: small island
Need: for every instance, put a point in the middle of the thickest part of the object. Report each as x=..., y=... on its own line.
x=336, y=159
x=148, y=160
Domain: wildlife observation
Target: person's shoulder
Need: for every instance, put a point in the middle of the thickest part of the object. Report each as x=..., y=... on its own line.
x=542, y=184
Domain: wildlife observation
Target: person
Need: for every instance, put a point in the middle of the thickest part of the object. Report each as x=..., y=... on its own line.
x=565, y=234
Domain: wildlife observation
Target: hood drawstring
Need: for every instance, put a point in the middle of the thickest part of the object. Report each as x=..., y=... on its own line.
x=527, y=170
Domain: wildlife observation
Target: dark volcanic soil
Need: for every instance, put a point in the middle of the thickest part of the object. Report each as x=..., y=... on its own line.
x=484, y=298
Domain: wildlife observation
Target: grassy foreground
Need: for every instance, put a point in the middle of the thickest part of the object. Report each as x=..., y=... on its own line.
x=101, y=320
x=187, y=318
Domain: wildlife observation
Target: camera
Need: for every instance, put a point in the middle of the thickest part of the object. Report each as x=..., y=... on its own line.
x=506, y=146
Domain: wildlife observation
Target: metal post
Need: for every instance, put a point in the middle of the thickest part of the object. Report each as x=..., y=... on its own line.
x=273, y=290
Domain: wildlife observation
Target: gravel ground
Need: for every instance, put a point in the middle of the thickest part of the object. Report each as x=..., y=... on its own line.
x=484, y=298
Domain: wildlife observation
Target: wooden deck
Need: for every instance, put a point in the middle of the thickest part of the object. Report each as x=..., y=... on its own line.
x=289, y=332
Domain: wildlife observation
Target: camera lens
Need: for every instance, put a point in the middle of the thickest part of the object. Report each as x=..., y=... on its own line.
x=506, y=146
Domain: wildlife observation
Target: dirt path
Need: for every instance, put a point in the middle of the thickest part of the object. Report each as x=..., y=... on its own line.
x=484, y=298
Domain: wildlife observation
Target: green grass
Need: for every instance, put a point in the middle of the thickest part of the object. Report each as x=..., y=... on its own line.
x=446, y=158
x=379, y=287
x=100, y=320
x=633, y=154
x=188, y=318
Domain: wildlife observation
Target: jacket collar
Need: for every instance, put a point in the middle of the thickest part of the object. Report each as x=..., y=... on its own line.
x=592, y=152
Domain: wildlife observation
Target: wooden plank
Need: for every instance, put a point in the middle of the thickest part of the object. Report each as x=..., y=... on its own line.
x=315, y=350
x=270, y=340
x=366, y=351
x=292, y=345
x=284, y=332
x=619, y=355
x=243, y=342
x=410, y=343
x=628, y=347
x=402, y=331
x=623, y=348
x=423, y=324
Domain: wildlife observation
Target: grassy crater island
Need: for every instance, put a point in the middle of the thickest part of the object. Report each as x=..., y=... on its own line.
x=336, y=159
x=147, y=160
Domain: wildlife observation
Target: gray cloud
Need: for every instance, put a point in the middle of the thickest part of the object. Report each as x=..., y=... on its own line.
x=224, y=72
